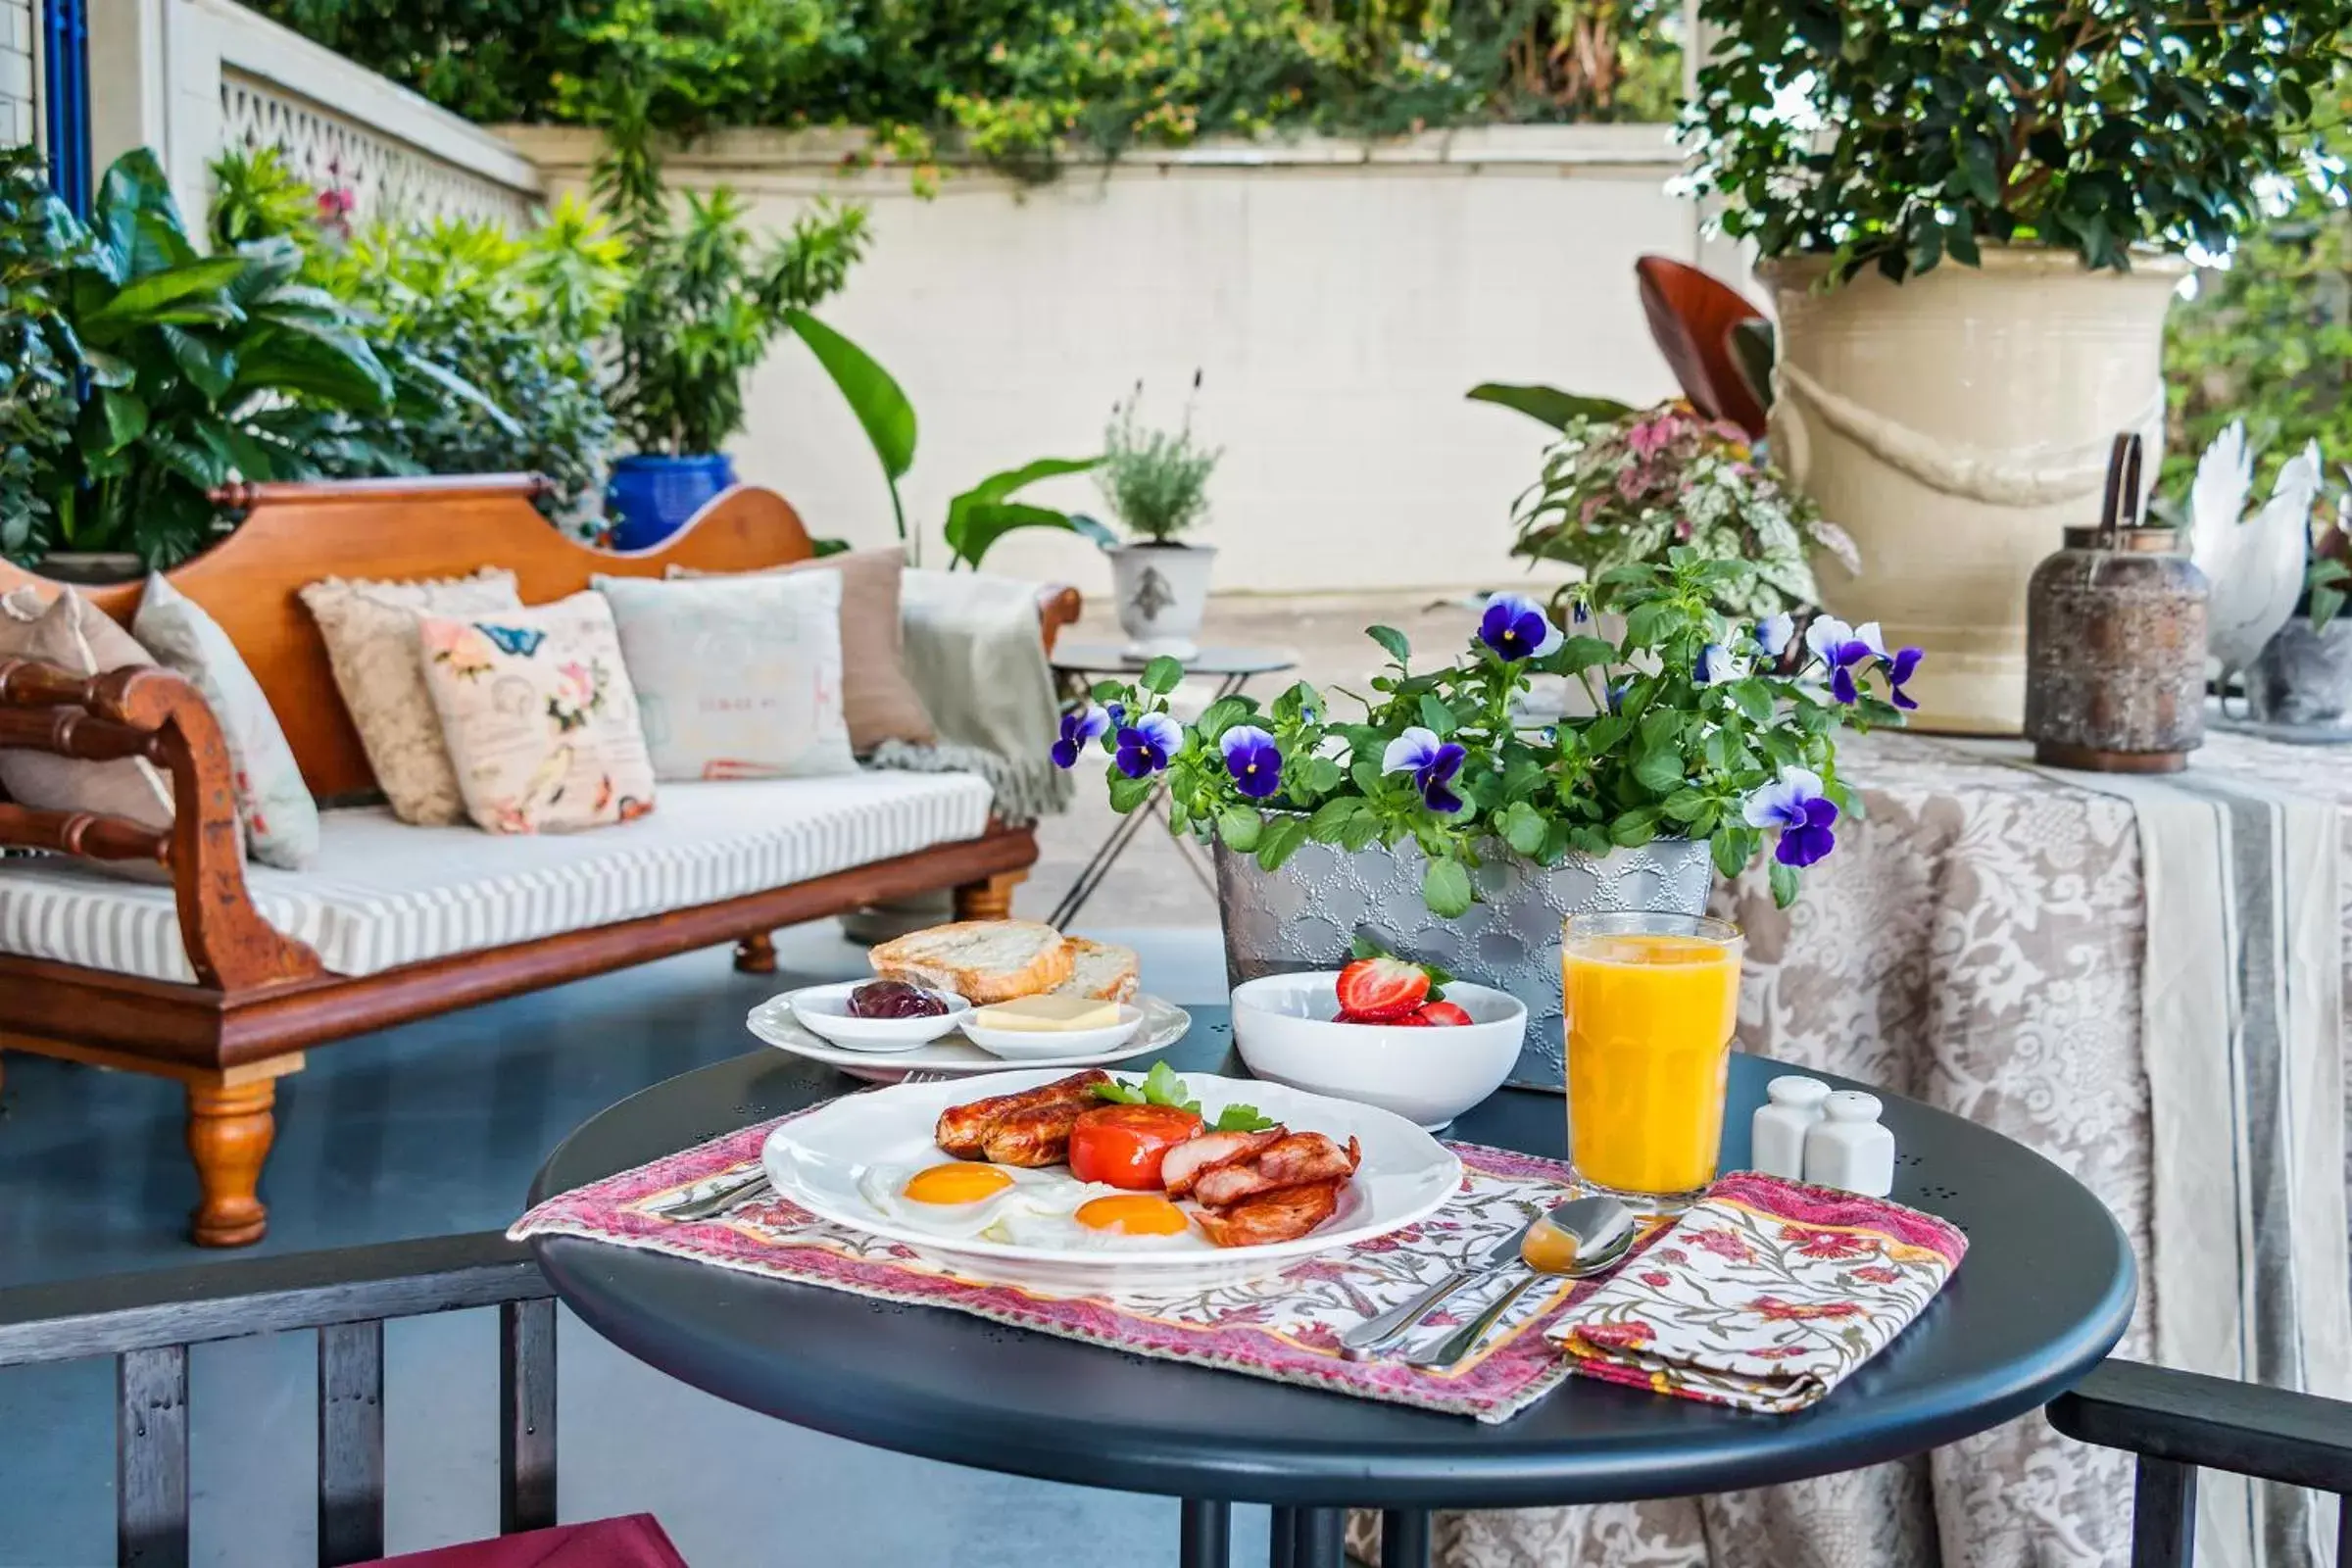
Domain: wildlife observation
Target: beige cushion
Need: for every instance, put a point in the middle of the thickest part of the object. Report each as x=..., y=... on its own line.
x=281, y=820
x=85, y=640
x=370, y=632
x=539, y=716
x=882, y=703
x=736, y=677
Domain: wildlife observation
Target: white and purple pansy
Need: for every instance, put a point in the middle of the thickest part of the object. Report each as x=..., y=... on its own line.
x=1432, y=762
x=1774, y=634
x=1794, y=803
x=1145, y=746
x=1252, y=759
x=1715, y=666
x=1516, y=627
x=1900, y=669
x=1839, y=648
x=1081, y=727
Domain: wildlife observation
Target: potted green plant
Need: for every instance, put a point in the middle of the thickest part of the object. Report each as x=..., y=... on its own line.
x=1155, y=482
x=695, y=320
x=198, y=370
x=1444, y=828
x=2055, y=151
x=37, y=405
x=2303, y=677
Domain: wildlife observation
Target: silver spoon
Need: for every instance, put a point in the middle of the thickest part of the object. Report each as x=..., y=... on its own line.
x=1573, y=1240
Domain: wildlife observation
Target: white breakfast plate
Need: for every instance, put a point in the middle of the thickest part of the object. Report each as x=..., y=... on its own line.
x=825, y=1010
x=815, y=1160
x=772, y=1021
x=1026, y=1046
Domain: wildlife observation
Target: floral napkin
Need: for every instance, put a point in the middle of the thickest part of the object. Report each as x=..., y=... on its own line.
x=1766, y=1295
x=1284, y=1327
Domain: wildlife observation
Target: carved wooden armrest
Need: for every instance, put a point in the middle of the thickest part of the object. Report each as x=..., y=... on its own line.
x=1058, y=606
x=156, y=715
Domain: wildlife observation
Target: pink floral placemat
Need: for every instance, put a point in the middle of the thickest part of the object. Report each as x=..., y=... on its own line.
x=1766, y=1295
x=1284, y=1327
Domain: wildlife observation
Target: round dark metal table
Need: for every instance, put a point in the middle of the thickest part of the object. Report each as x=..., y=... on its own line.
x=2045, y=1291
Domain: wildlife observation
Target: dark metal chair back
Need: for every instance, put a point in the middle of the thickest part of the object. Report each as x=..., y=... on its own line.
x=148, y=1321
x=2180, y=1422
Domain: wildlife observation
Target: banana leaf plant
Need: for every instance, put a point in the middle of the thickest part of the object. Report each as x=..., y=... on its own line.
x=976, y=518
x=198, y=370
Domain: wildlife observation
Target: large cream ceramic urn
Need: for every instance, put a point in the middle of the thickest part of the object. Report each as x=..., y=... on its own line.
x=1954, y=425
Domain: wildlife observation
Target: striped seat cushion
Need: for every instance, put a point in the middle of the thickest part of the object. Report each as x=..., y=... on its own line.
x=382, y=892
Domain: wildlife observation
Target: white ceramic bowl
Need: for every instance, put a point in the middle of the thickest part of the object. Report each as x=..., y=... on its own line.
x=1051, y=1045
x=1283, y=1025
x=825, y=1010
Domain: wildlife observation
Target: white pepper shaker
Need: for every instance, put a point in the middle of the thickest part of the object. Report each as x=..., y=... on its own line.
x=1848, y=1148
x=1777, y=1137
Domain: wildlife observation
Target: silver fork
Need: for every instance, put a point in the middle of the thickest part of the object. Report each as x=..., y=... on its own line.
x=756, y=1184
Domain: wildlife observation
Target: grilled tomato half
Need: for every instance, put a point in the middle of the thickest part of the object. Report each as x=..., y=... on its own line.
x=1122, y=1145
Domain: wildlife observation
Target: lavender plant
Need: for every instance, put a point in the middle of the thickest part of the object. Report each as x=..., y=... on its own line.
x=1703, y=728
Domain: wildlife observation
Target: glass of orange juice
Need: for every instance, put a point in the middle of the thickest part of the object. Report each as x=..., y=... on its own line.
x=1651, y=1001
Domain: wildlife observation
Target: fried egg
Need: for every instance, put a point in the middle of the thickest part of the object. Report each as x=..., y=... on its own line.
x=1111, y=1222
x=962, y=1198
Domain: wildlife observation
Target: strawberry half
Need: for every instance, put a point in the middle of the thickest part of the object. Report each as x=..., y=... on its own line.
x=1446, y=1014
x=1382, y=990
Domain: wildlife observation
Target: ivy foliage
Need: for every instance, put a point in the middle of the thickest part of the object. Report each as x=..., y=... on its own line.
x=1895, y=135
x=1010, y=80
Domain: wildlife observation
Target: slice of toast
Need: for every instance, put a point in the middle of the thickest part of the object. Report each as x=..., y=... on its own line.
x=981, y=961
x=1103, y=971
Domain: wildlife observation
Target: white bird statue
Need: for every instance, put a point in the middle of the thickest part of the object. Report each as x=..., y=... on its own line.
x=2255, y=566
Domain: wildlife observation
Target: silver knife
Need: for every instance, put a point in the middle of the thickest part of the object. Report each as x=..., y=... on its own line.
x=1369, y=1336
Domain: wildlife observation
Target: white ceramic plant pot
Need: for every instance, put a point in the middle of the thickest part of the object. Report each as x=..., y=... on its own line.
x=1305, y=916
x=1161, y=590
x=1953, y=424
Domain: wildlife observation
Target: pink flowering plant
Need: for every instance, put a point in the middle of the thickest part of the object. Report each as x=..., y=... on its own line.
x=1703, y=725
x=1626, y=489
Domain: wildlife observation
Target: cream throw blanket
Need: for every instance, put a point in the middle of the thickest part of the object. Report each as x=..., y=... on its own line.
x=972, y=650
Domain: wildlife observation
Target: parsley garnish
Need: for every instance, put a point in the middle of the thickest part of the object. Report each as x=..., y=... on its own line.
x=1161, y=1087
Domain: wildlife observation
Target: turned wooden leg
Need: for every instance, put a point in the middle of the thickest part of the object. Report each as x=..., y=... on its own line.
x=229, y=1130
x=989, y=900
x=757, y=955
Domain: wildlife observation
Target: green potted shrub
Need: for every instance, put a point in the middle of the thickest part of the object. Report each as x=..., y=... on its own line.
x=2062, y=153
x=37, y=405
x=1155, y=482
x=197, y=370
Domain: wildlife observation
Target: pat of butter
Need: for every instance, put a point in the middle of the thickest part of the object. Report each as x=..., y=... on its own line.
x=1047, y=1014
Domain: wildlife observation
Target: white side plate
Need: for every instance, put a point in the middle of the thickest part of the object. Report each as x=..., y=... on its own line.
x=772, y=1021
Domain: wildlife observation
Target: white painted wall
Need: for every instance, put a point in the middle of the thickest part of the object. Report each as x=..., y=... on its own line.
x=20, y=120
x=1338, y=308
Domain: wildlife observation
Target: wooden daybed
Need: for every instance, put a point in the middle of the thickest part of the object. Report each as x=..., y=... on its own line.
x=249, y=998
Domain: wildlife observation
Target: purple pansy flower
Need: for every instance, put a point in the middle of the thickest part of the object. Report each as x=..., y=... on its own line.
x=1516, y=627
x=1795, y=804
x=1432, y=762
x=1081, y=727
x=1840, y=648
x=1774, y=634
x=1146, y=745
x=1900, y=669
x=1715, y=665
x=1252, y=759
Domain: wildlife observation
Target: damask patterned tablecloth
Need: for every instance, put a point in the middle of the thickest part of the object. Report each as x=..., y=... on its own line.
x=1977, y=942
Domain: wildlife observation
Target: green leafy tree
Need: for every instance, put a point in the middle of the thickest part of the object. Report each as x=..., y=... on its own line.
x=37, y=404
x=1893, y=136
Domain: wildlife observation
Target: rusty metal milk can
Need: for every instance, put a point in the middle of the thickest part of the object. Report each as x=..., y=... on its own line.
x=2115, y=641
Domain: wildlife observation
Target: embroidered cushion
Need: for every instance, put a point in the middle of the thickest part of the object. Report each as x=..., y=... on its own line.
x=281, y=820
x=539, y=716
x=739, y=678
x=882, y=701
x=370, y=632
x=71, y=631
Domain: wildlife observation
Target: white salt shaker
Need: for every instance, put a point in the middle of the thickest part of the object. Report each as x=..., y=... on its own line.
x=1776, y=1138
x=1848, y=1148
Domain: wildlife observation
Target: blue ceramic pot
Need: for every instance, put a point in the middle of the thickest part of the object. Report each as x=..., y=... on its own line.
x=649, y=498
